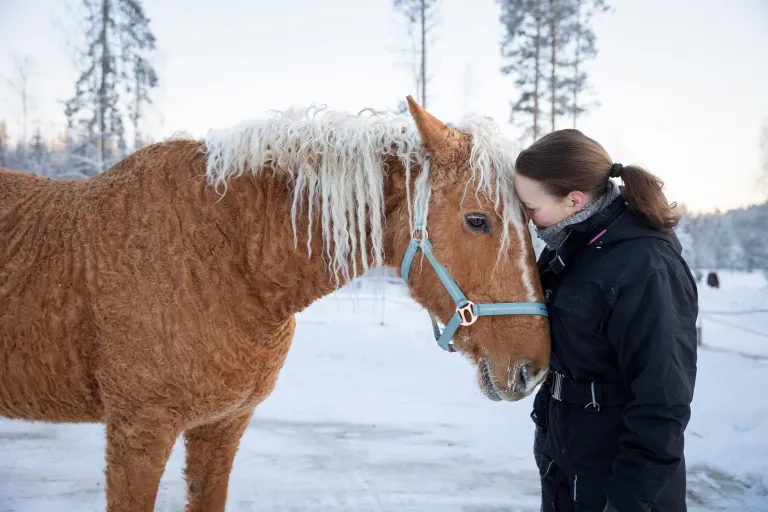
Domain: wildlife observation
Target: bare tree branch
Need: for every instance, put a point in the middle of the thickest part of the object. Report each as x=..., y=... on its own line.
x=23, y=70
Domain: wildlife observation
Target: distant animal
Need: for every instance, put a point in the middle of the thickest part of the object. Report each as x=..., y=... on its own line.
x=160, y=297
x=712, y=280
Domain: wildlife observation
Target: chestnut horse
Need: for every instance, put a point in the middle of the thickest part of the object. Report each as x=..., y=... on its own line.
x=160, y=297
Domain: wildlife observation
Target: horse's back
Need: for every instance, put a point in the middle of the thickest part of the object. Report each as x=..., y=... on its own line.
x=76, y=258
x=44, y=372
x=14, y=185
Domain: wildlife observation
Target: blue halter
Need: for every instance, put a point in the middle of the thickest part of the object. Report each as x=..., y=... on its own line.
x=467, y=312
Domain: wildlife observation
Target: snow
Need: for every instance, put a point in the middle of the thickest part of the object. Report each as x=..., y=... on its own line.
x=370, y=415
x=725, y=325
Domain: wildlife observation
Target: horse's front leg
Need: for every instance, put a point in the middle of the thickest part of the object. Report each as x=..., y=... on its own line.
x=138, y=447
x=210, y=452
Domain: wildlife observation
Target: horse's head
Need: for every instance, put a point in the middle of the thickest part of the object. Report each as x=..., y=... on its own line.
x=477, y=233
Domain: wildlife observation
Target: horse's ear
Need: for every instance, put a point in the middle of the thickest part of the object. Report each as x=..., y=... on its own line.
x=435, y=135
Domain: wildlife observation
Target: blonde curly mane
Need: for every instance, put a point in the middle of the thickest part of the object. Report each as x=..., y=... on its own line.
x=337, y=160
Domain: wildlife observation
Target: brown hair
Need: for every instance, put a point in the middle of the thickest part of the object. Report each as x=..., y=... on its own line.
x=567, y=160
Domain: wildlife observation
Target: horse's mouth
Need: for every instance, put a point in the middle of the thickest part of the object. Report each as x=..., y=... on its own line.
x=491, y=391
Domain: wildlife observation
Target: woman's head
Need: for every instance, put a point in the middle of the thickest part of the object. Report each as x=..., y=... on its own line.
x=562, y=171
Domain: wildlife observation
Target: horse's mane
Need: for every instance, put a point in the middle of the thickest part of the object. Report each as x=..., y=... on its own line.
x=337, y=160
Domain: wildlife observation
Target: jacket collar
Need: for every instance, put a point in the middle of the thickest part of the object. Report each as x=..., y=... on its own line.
x=587, y=232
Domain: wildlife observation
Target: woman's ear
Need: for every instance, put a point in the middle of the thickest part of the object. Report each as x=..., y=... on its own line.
x=575, y=201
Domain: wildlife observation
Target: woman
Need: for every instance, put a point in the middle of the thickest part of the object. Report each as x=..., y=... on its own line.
x=622, y=307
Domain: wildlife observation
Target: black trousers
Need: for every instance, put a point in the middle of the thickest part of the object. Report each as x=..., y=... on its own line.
x=560, y=493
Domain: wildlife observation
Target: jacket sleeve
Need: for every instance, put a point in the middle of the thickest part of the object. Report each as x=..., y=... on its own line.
x=653, y=331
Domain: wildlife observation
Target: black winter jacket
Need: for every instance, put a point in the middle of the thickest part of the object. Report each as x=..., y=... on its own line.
x=622, y=310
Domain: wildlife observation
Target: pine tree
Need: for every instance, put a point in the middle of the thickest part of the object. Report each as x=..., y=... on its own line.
x=144, y=77
x=82, y=156
x=584, y=48
x=115, y=64
x=559, y=15
x=523, y=46
x=139, y=74
x=545, y=43
x=420, y=17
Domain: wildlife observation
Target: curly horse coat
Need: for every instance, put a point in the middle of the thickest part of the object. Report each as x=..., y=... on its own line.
x=159, y=297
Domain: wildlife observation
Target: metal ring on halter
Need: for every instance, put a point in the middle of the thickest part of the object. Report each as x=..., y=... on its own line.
x=467, y=308
x=420, y=230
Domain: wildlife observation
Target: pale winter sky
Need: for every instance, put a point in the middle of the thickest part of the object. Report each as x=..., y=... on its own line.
x=683, y=84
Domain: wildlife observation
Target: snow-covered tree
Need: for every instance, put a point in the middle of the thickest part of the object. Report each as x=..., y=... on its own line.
x=39, y=159
x=726, y=249
x=751, y=227
x=687, y=241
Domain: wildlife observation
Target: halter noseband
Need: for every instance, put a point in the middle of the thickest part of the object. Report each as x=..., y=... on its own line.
x=467, y=312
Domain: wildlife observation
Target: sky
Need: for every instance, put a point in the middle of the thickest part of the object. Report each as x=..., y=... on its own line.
x=682, y=86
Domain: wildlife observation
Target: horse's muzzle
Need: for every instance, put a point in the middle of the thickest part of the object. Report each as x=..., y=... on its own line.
x=520, y=381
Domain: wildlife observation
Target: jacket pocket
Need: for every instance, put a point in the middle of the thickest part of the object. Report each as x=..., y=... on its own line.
x=546, y=466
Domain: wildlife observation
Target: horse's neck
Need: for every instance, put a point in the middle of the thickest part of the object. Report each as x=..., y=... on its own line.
x=289, y=270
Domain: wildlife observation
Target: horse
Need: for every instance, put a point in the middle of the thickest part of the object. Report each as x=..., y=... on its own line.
x=159, y=297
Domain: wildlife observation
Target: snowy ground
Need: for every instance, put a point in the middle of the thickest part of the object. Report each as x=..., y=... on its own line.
x=372, y=417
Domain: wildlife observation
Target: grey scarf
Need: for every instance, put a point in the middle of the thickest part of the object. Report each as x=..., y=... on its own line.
x=554, y=235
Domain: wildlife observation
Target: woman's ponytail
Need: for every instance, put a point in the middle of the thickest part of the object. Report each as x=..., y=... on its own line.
x=643, y=194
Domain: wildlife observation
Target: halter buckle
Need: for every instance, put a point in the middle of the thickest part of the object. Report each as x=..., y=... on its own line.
x=467, y=309
x=416, y=231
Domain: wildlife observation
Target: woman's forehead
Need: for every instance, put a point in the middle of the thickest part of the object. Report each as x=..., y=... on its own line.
x=528, y=189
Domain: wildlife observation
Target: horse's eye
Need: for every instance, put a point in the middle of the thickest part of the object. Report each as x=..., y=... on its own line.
x=477, y=222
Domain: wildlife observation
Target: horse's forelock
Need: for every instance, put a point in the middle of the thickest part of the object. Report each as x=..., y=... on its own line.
x=492, y=160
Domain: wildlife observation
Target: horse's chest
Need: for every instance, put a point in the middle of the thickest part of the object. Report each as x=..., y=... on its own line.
x=251, y=371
